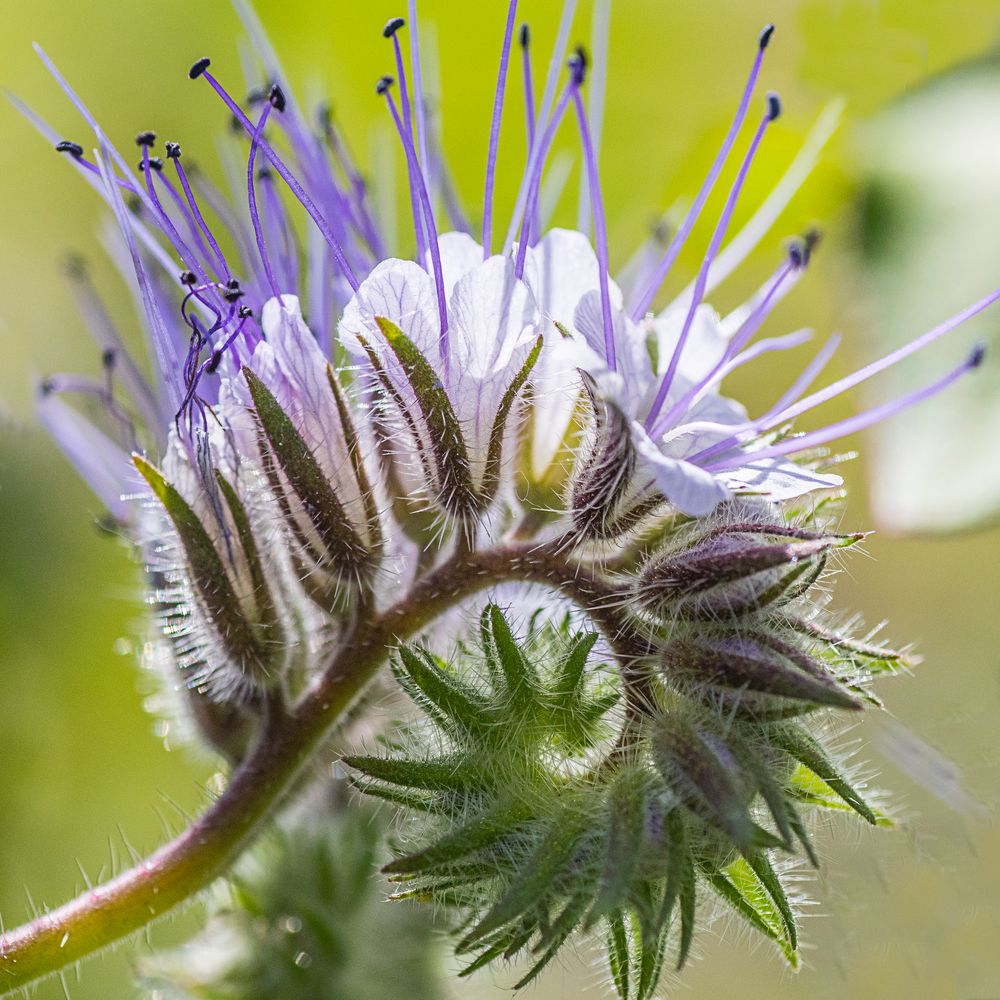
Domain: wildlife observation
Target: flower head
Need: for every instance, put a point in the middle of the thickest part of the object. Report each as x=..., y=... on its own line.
x=341, y=441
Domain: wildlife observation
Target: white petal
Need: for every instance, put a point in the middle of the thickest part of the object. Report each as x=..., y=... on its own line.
x=460, y=253
x=778, y=479
x=706, y=342
x=690, y=489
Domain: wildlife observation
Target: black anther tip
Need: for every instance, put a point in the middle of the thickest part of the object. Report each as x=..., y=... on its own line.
x=199, y=67
x=244, y=312
x=233, y=284
x=173, y=150
x=525, y=36
x=277, y=98
x=73, y=148
x=765, y=35
x=109, y=356
x=773, y=106
x=798, y=255
x=155, y=163
x=383, y=85
x=392, y=26
x=214, y=362
x=188, y=278
x=146, y=139
x=977, y=356
x=578, y=65
x=233, y=294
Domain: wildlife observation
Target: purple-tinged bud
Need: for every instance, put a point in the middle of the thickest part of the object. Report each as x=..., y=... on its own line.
x=392, y=26
x=735, y=571
x=755, y=663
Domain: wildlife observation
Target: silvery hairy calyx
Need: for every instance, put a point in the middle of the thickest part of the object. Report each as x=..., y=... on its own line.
x=485, y=490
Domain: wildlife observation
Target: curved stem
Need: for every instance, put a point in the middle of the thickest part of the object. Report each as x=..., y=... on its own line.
x=289, y=736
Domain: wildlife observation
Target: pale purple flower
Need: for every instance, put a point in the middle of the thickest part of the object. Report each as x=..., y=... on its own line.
x=454, y=387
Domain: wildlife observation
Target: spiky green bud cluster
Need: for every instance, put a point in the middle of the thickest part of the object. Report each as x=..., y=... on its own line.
x=303, y=917
x=551, y=804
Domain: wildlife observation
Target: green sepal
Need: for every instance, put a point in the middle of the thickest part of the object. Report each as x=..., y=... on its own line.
x=626, y=819
x=618, y=956
x=494, y=451
x=444, y=432
x=441, y=775
x=681, y=885
x=556, y=935
x=570, y=677
x=768, y=878
x=459, y=703
x=548, y=861
x=211, y=581
x=802, y=747
x=476, y=835
x=522, y=683
x=342, y=545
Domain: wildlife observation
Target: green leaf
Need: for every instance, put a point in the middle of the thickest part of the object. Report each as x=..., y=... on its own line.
x=444, y=432
x=341, y=543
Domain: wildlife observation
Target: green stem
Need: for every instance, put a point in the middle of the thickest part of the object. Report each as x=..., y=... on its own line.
x=189, y=863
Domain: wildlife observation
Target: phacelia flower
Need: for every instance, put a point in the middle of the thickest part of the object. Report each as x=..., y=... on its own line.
x=337, y=440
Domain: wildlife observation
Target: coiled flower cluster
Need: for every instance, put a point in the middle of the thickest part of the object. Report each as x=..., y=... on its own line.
x=346, y=450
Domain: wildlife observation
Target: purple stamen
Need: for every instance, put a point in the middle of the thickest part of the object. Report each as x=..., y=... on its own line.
x=419, y=109
x=597, y=81
x=491, y=157
x=391, y=30
x=773, y=109
x=258, y=228
x=535, y=153
x=858, y=422
x=742, y=336
x=545, y=141
x=680, y=237
x=289, y=254
x=286, y=175
x=174, y=154
x=529, y=88
x=600, y=224
x=187, y=255
x=384, y=88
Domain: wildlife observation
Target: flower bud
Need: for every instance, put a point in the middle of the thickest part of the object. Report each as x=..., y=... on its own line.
x=736, y=570
x=756, y=663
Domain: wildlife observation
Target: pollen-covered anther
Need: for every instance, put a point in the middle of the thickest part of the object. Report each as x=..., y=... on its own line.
x=173, y=150
x=392, y=26
x=146, y=138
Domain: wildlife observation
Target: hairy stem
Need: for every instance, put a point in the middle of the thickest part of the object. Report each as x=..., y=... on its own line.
x=289, y=736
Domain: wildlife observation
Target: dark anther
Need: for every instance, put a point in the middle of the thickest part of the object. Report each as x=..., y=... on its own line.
x=525, y=36
x=173, y=150
x=46, y=387
x=155, y=163
x=233, y=284
x=134, y=204
x=773, y=106
x=73, y=148
x=235, y=125
x=977, y=356
x=392, y=26
x=383, y=85
x=258, y=95
x=75, y=265
x=199, y=67
x=765, y=35
x=108, y=358
x=812, y=238
x=233, y=294
x=264, y=174
x=798, y=255
x=146, y=139
x=277, y=98
x=188, y=278
x=214, y=362
x=244, y=312
x=578, y=65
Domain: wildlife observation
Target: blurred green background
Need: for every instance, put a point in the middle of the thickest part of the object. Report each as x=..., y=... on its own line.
x=912, y=913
